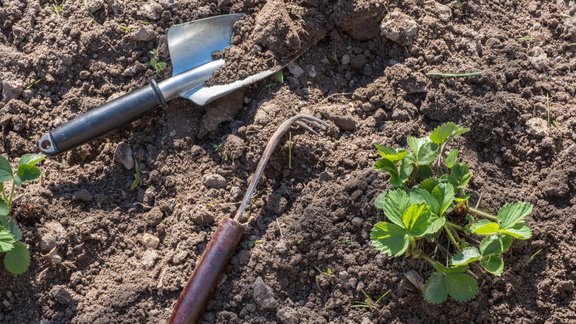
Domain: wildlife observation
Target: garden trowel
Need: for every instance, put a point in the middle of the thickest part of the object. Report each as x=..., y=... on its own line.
x=191, y=47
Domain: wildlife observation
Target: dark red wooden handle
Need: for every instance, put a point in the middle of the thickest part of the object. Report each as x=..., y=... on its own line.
x=193, y=299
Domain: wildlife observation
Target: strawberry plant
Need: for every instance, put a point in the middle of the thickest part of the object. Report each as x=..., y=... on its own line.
x=429, y=218
x=17, y=258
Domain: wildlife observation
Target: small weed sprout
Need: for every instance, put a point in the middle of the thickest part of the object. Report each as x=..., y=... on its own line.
x=155, y=63
x=368, y=302
x=137, y=177
x=429, y=217
x=17, y=258
x=57, y=7
x=125, y=28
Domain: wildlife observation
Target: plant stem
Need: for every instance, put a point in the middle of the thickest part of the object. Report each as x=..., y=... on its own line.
x=452, y=239
x=455, y=226
x=427, y=258
x=483, y=214
x=9, y=202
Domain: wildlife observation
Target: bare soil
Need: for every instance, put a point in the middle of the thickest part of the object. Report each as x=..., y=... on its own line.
x=369, y=87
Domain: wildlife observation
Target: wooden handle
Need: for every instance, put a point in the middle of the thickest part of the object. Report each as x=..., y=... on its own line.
x=193, y=299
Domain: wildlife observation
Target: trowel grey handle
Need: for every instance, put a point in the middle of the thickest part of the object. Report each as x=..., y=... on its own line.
x=101, y=120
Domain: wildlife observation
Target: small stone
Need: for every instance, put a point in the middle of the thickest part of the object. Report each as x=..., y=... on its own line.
x=83, y=195
x=281, y=247
x=149, y=259
x=345, y=59
x=154, y=216
x=295, y=69
x=214, y=181
x=52, y=233
x=150, y=241
x=288, y=315
x=117, y=6
x=358, y=61
x=263, y=294
x=234, y=147
x=83, y=75
x=311, y=71
x=276, y=204
x=537, y=127
x=179, y=257
x=61, y=295
x=200, y=215
x=123, y=155
x=152, y=10
x=11, y=90
x=443, y=12
x=144, y=34
x=540, y=62
x=399, y=28
x=94, y=5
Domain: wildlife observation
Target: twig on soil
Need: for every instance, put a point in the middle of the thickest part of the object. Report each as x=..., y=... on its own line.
x=454, y=75
x=478, y=202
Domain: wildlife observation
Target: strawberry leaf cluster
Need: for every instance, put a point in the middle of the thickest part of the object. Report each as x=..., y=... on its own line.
x=426, y=207
x=17, y=257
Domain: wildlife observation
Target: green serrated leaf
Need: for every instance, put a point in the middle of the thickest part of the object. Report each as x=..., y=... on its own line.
x=425, y=172
x=466, y=256
x=386, y=165
x=513, y=213
x=416, y=219
x=424, y=152
x=484, y=227
x=6, y=240
x=444, y=194
x=389, y=238
x=13, y=228
x=391, y=154
x=428, y=184
x=4, y=211
x=27, y=172
x=459, y=176
x=17, y=260
x=406, y=168
x=441, y=268
x=380, y=200
x=435, y=290
x=31, y=159
x=461, y=286
x=421, y=196
x=520, y=231
x=5, y=170
x=451, y=159
x=494, y=244
x=442, y=133
x=395, y=205
x=493, y=264
x=436, y=224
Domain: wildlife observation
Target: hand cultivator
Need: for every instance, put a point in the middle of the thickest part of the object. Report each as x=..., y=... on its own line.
x=211, y=265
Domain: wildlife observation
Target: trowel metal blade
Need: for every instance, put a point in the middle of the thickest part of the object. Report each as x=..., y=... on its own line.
x=192, y=44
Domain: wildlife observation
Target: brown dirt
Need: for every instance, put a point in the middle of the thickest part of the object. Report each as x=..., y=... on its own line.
x=317, y=214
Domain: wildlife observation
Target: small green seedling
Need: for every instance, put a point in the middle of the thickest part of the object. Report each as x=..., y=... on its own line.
x=17, y=258
x=527, y=38
x=58, y=7
x=137, y=176
x=125, y=28
x=33, y=84
x=155, y=63
x=427, y=209
x=454, y=75
x=250, y=243
x=368, y=302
